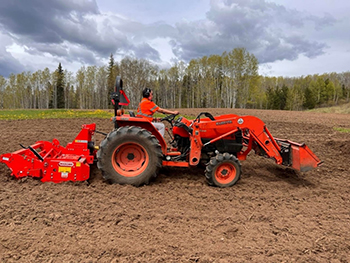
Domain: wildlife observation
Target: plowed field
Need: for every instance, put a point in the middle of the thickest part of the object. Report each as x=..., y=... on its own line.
x=272, y=214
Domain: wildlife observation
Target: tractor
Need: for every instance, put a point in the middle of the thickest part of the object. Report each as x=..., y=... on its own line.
x=134, y=150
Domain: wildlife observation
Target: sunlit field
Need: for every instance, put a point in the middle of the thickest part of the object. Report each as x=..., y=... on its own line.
x=21, y=114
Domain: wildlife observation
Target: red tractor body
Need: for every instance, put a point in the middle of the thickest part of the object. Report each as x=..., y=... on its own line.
x=133, y=152
x=230, y=133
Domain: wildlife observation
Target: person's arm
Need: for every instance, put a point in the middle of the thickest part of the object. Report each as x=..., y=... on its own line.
x=167, y=111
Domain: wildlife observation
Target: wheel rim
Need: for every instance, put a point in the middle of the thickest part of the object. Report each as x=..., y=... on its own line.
x=130, y=159
x=225, y=173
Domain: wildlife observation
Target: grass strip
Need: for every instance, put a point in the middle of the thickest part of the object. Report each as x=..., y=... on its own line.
x=20, y=114
x=341, y=129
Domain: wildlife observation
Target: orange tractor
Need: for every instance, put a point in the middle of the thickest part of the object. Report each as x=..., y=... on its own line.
x=134, y=150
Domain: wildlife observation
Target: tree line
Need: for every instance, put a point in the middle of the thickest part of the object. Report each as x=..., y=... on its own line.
x=227, y=81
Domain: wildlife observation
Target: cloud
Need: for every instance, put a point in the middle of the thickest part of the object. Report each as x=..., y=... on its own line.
x=40, y=20
x=8, y=64
x=268, y=30
x=46, y=27
x=77, y=32
x=145, y=50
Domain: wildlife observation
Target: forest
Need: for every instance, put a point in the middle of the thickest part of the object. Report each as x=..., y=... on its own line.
x=227, y=81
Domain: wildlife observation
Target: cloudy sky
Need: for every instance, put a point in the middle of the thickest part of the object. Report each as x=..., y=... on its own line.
x=289, y=37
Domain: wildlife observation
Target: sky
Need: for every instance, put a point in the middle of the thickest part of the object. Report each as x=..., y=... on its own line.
x=290, y=38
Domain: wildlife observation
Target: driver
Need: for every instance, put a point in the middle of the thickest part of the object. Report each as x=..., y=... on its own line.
x=147, y=108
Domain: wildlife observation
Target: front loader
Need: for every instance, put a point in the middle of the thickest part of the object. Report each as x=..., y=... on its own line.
x=134, y=150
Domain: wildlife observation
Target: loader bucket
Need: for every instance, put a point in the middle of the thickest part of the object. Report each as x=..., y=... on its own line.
x=298, y=156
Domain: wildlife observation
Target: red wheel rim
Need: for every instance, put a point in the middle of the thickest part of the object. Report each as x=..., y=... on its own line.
x=130, y=159
x=225, y=173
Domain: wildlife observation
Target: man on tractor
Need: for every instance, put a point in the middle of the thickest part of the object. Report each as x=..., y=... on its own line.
x=147, y=108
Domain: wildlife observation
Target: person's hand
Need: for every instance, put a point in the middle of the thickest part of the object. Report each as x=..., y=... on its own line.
x=176, y=112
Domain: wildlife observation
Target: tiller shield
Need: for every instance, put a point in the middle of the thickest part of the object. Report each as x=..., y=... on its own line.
x=53, y=163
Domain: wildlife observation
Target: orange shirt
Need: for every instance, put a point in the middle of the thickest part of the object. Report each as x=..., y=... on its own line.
x=146, y=109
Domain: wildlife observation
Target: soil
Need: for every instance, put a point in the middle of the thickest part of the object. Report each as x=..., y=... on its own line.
x=273, y=214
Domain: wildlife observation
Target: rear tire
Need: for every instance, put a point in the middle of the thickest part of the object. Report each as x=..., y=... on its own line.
x=129, y=155
x=223, y=170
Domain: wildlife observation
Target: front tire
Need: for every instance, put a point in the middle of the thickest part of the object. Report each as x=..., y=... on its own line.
x=129, y=155
x=223, y=170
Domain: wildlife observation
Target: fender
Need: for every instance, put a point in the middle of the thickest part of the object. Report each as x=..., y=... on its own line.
x=127, y=120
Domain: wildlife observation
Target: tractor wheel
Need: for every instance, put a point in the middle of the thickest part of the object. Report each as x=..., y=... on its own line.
x=223, y=170
x=129, y=155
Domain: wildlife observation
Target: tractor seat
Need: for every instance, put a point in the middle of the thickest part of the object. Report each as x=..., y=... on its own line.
x=184, y=126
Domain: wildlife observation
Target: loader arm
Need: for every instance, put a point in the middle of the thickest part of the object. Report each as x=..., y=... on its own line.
x=284, y=152
x=257, y=132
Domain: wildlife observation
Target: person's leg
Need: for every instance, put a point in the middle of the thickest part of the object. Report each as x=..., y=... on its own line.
x=160, y=127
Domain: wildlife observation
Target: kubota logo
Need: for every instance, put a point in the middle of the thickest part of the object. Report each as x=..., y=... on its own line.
x=223, y=122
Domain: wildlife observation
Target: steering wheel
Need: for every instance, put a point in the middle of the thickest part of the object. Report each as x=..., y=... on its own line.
x=198, y=118
x=169, y=118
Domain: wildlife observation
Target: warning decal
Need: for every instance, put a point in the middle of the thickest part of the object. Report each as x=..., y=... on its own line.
x=64, y=169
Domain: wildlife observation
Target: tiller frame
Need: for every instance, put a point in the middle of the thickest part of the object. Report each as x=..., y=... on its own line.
x=52, y=162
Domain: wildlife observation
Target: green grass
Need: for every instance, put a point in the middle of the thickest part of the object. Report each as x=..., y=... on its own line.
x=160, y=115
x=53, y=114
x=343, y=109
x=21, y=114
x=341, y=129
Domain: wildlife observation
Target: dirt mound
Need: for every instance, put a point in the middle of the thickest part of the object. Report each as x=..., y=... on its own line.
x=272, y=214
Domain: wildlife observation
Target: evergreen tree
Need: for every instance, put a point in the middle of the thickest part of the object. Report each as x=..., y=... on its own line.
x=283, y=97
x=60, y=87
x=270, y=97
x=276, y=102
x=229, y=80
x=111, y=75
x=3, y=84
x=310, y=99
